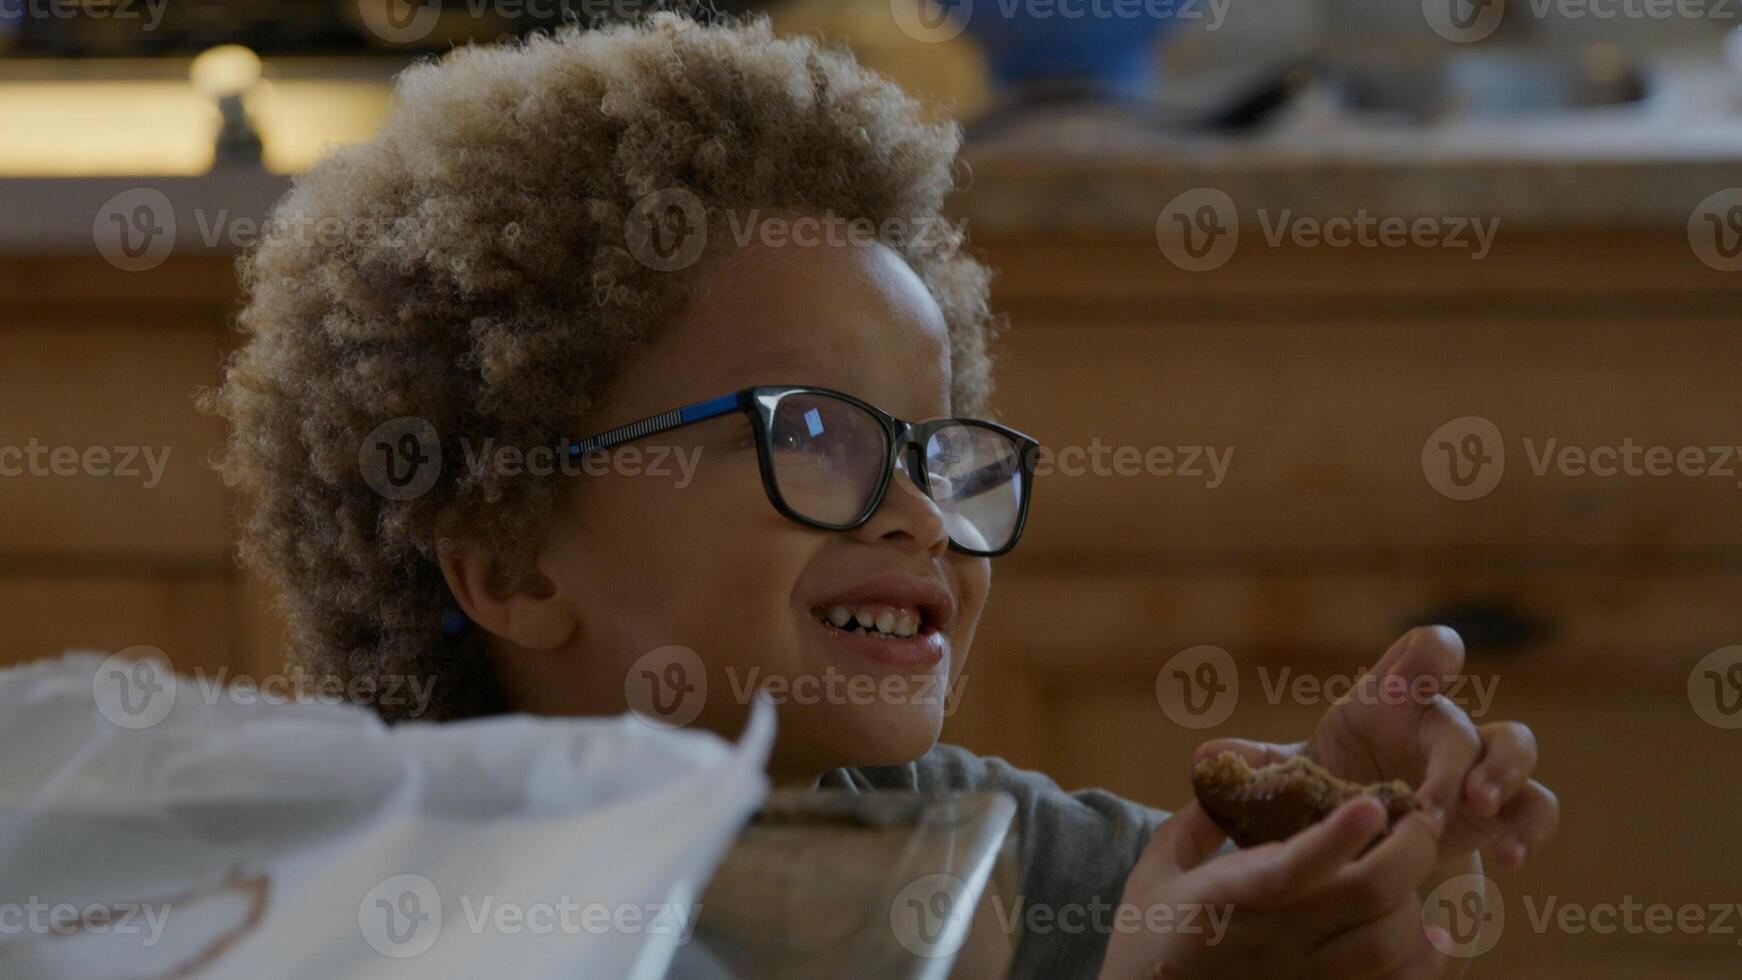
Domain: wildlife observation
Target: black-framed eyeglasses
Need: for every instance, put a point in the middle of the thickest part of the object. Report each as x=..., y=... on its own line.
x=827, y=459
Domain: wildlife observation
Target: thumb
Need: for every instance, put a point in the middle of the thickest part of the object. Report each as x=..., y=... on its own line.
x=1183, y=841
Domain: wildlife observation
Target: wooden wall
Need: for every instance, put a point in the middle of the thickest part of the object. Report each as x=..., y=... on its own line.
x=1586, y=602
x=94, y=357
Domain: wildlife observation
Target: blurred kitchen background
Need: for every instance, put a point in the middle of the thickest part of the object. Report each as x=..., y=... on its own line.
x=1601, y=140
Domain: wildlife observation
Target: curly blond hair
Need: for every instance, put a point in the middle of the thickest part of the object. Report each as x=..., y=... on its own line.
x=490, y=287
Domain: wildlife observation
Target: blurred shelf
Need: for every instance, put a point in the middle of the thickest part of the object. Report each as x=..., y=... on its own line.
x=142, y=117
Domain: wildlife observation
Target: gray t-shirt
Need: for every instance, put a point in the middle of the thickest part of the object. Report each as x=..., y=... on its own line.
x=1076, y=850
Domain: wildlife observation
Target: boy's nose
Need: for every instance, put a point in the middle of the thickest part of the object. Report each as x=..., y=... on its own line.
x=906, y=515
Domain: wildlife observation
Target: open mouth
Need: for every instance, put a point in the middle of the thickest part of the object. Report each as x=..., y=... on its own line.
x=899, y=620
x=880, y=622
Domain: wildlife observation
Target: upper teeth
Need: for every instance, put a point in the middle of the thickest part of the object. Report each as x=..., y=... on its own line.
x=883, y=619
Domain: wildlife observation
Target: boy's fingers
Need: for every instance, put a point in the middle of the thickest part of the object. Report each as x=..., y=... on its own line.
x=1449, y=741
x=1435, y=652
x=1184, y=840
x=1286, y=872
x=1387, y=874
x=1530, y=821
x=1255, y=753
x=1508, y=758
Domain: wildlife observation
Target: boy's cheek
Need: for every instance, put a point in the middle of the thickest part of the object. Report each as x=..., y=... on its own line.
x=973, y=584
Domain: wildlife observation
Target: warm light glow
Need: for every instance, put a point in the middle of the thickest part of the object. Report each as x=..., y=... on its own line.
x=141, y=127
x=228, y=69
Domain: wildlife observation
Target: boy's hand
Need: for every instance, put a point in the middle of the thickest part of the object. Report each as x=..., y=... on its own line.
x=1395, y=724
x=1312, y=906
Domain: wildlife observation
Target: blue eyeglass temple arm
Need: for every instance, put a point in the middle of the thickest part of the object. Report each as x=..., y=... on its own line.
x=697, y=412
x=454, y=621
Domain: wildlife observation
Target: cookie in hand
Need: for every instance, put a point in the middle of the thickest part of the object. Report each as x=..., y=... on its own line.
x=1275, y=802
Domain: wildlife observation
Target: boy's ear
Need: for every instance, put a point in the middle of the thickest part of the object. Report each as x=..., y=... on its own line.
x=535, y=616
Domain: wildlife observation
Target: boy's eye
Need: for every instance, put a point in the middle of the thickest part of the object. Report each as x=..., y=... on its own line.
x=783, y=436
x=808, y=429
x=821, y=428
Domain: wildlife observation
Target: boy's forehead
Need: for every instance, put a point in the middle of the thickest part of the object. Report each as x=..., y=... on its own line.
x=837, y=315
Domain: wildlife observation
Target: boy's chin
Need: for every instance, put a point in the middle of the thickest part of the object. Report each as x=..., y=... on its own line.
x=867, y=735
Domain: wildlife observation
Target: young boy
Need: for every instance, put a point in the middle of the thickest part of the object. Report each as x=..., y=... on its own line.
x=514, y=280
